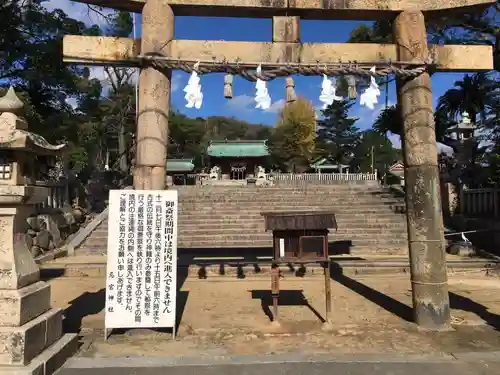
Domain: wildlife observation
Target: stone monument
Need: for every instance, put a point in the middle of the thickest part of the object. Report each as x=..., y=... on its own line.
x=30, y=330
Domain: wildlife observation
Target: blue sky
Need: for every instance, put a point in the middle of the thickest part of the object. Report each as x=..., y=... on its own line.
x=242, y=105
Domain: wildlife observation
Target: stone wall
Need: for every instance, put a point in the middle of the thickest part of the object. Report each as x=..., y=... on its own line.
x=51, y=229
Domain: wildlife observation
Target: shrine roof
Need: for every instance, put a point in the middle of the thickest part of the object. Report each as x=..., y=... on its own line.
x=397, y=169
x=326, y=163
x=180, y=165
x=237, y=149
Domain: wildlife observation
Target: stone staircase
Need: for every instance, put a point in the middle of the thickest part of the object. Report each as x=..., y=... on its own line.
x=226, y=221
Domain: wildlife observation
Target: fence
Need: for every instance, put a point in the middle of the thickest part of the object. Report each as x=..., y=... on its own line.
x=323, y=178
x=480, y=202
x=58, y=196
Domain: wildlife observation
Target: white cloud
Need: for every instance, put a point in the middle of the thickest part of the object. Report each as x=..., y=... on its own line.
x=241, y=103
x=276, y=106
x=246, y=103
x=80, y=12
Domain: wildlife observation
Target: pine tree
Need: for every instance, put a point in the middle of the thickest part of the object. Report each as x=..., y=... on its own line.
x=337, y=135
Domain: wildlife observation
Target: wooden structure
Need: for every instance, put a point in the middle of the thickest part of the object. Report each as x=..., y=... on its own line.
x=326, y=165
x=179, y=170
x=396, y=174
x=157, y=53
x=300, y=237
x=237, y=159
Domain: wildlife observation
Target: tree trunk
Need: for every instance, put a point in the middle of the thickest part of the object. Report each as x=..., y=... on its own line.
x=122, y=149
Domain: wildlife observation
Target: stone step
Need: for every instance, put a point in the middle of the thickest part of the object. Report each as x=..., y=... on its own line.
x=220, y=211
x=230, y=217
x=264, y=238
x=383, y=224
x=260, y=230
x=246, y=189
x=333, y=199
x=244, y=216
x=353, y=221
x=291, y=194
x=297, y=205
x=215, y=235
x=352, y=233
x=354, y=250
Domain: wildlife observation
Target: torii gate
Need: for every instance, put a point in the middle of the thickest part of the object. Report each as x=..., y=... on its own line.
x=424, y=217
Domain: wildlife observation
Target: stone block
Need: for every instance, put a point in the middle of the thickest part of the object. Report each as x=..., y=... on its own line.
x=47, y=362
x=19, y=306
x=19, y=345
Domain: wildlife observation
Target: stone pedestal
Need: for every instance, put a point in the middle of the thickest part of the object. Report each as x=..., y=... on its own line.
x=31, y=336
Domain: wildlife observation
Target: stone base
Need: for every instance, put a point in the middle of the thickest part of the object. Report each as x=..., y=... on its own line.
x=19, y=345
x=462, y=249
x=49, y=361
x=19, y=306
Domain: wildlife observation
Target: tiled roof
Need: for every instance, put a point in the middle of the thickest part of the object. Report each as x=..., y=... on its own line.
x=235, y=149
x=180, y=165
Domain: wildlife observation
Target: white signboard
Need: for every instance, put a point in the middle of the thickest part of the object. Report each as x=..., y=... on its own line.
x=142, y=259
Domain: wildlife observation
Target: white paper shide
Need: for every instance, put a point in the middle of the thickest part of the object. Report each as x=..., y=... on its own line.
x=142, y=259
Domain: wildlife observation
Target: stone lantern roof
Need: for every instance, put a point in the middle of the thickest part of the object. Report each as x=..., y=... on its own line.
x=464, y=125
x=14, y=132
x=464, y=130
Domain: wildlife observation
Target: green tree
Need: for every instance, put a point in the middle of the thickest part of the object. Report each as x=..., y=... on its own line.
x=337, y=134
x=294, y=142
x=31, y=45
x=470, y=94
x=375, y=151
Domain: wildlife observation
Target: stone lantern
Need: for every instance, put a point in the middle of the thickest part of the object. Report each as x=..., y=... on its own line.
x=31, y=331
x=465, y=141
x=463, y=130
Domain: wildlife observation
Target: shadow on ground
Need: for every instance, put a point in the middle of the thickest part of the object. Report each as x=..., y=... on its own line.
x=405, y=312
x=459, y=302
x=286, y=298
x=93, y=303
x=383, y=300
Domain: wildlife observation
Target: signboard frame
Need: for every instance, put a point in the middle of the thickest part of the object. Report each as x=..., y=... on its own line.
x=141, y=270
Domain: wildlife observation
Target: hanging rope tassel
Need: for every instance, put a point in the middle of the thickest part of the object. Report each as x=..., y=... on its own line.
x=352, y=93
x=291, y=96
x=228, y=86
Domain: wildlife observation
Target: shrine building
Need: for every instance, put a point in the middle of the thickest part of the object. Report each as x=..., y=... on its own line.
x=180, y=171
x=328, y=165
x=237, y=159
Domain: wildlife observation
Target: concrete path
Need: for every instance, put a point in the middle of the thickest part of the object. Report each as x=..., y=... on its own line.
x=457, y=364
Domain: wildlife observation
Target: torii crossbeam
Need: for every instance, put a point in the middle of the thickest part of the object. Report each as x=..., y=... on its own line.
x=424, y=215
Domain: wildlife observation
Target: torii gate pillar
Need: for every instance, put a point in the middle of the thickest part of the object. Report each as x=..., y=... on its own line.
x=154, y=99
x=423, y=202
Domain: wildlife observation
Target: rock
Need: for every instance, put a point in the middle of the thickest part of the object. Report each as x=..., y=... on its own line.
x=35, y=251
x=463, y=249
x=70, y=218
x=33, y=222
x=51, y=225
x=28, y=239
x=44, y=240
x=78, y=215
